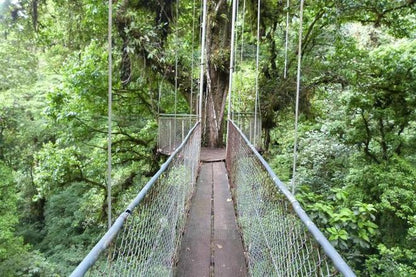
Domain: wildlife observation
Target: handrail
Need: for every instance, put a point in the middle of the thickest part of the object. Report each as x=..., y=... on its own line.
x=105, y=241
x=178, y=115
x=330, y=251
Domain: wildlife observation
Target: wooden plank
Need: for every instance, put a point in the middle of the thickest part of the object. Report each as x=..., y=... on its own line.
x=212, y=154
x=195, y=253
x=227, y=244
x=214, y=239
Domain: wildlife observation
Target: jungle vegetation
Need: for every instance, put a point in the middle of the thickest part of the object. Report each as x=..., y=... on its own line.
x=357, y=135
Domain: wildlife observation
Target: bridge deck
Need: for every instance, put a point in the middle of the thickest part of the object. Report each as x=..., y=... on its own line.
x=212, y=154
x=212, y=245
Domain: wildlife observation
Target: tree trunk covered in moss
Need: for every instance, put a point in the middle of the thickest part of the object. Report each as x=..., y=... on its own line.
x=217, y=56
x=217, y=72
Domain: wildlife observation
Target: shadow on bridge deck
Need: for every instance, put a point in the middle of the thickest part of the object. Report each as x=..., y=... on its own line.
x=211, y=244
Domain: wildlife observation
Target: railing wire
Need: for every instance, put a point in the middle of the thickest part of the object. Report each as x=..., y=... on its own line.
x=250, y=125
x=172, y=130
x=279, y=238
x=144, y=239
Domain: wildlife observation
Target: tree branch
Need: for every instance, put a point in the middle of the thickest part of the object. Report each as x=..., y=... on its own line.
x=368, y=139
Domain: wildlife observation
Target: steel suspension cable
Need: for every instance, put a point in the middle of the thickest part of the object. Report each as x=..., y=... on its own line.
x=176, y=61
x=201, y=7
x=237, y=16
x=230, y=86
x=159, y=96
x=295, y=145
x=201, y=76
x=256, y=101
x=110, y=112
x=242, y=32
x=287, y=37
x=192, y=61
x=240, y=79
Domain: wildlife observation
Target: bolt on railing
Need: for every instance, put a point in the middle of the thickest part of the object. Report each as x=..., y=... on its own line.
x=279, y=237
x=144, y=239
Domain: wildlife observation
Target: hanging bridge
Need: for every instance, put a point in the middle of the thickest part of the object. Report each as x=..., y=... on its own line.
x=213, y=212
x=227, y=216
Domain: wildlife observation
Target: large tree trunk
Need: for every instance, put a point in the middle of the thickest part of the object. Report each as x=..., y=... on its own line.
x=217, y=65
x=217, y=74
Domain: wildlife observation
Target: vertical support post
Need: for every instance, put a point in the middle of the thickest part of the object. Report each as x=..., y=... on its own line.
x=230, y=85
x=286, y=37
x=242, y=32
x=176, y=69
x=201, y=76
x=250, y=130
x=295, y=146
x=110, y=100
x=170, y=135
x=159, y=144
x=183, y=129
x=257, y=73
x=192, y=61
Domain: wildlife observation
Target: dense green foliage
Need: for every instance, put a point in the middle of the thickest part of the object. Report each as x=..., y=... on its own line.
x=356, y=172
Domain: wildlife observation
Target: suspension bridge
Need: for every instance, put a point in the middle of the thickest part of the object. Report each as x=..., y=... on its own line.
x=213, y=212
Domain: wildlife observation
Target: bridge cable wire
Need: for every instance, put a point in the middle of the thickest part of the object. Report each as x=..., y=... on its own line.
x=286, y=37
x=237, y=20
x=279, y=237
x=159, y=95
x=230, y=85
x=192, y=61
x=201, y=8
x=236, y=45
x=176, y=68
x=241, y=77
x=201, y=76
x=256, y=102
x=295, y=144
x=242, y=31
x=110, y=100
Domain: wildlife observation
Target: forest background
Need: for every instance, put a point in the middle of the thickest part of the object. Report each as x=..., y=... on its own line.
x=357, y=140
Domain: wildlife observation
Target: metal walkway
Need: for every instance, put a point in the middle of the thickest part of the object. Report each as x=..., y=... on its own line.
x=261, y=230
x=212, y=245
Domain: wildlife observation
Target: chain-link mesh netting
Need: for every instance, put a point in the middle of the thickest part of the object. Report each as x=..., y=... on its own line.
x=251, y=128
x=172, y=130
x=275, y=238
x=153, y=225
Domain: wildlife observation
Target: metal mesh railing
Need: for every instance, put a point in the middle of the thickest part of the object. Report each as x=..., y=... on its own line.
x=172, y=130
x=246, y=123
x=279, y=238
x=144, y=240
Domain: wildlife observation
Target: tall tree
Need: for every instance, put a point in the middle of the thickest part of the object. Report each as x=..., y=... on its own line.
x=217, y=75
x=156, y=35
